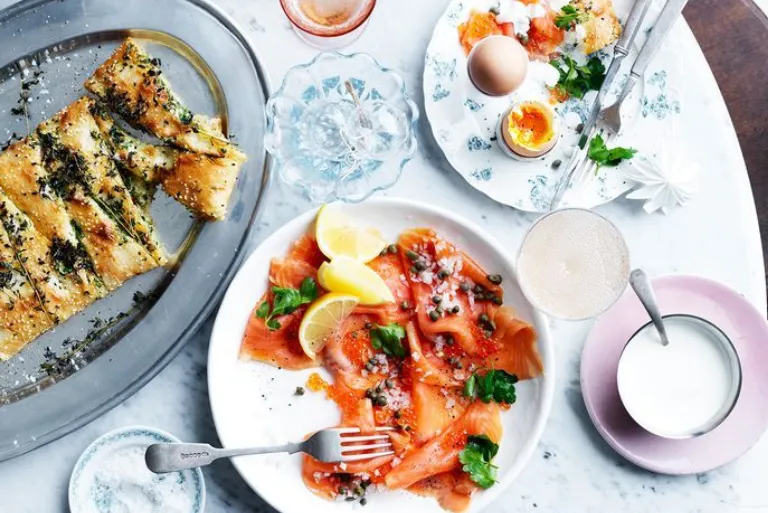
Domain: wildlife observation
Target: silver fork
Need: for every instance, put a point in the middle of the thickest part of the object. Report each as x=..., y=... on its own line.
x=329, y=445
x=609, y=119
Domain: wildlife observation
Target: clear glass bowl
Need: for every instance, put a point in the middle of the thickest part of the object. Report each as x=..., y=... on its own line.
x=341, y=127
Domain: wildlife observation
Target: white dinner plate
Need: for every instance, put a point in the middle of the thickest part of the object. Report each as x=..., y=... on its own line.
x=464, y=120
x=254, y=403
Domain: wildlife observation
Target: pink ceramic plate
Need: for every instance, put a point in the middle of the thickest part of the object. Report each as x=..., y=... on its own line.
x=744, y=325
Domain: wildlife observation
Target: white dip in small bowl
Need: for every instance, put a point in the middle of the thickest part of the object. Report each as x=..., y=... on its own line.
x=684, y=389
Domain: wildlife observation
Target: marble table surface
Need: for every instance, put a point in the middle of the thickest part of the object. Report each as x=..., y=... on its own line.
x=573, y=469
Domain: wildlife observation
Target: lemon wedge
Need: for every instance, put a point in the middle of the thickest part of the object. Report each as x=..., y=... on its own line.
x=348, y=276
x=322, y=319
x=337, y=235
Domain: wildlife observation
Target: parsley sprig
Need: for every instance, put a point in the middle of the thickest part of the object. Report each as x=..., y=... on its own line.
x=569, y=17
x=607, y=157
x=286, y=300
x=476, y=459
x=389, y=339
x=576, y=80
x=495, y=385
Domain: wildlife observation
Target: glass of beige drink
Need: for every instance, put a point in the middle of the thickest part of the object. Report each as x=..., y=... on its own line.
x=573, y=264
x=328, y=23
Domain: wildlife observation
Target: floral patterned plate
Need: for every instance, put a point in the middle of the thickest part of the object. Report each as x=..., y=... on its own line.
x=464, y=120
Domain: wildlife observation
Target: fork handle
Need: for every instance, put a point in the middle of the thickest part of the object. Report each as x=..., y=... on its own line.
x=161, y=458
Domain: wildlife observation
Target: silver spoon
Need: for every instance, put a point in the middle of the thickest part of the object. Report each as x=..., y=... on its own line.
x=642, y=287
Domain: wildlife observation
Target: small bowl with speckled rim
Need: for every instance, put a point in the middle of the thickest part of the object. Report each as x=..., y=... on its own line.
x=96, y=484
x=341, y=127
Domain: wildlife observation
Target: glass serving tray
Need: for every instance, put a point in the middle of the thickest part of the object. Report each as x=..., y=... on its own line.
x=101, y=356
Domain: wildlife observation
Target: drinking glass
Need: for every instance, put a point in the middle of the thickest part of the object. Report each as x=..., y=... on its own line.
x=573, y=264
x=328, y=24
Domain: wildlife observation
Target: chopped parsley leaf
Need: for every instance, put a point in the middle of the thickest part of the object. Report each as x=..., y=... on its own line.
x=389, y=339
x=569, y=17
x=286, y=300
x=476, y=459
x=576, y=80
x=495, y=385
x=607, y=157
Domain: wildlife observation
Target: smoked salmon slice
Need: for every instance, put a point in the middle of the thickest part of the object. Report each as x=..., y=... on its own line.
x=441, y=454
x=455, y=325
x=453, y=490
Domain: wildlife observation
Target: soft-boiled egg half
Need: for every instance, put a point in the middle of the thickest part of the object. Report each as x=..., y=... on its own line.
x=528, y=130
x=497, y=65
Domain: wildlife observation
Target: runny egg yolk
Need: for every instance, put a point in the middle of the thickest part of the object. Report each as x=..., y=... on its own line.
x=530, y=126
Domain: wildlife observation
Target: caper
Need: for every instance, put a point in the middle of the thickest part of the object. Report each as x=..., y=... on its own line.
x=439, y=309
x=456, y=309
x=478, y=289
x=404, y=305
x=483, y=318
x=370, y=393
x=368, y=325
x=490, y=326
x=434, y=315
x=389, y=383
x=359, y=490
x=442, y=274
x=412, y=255
x=420, y=265
x=350, y=498
x=363, y=501
x=381, y=401
x=465, y=286
x=556, y=164
x=398, y=414
x=449, y=340
x=392, y=248
x=436, y=299
x=343, y=490
x=299, y=391
x=414, y=270
x=487, y=333
x=370, y=367
x=365, y=484
x=497, y=300
x=494, y=278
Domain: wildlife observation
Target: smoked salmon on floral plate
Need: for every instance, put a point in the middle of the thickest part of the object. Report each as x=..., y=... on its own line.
x=392, y=314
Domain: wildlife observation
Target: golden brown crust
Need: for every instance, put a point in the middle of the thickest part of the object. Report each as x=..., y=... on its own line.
x=202, y=183
x=75, y=131
x=130, y=82
x=602, y=27
x=22, y=317
x=116, y=258
x=60, y=289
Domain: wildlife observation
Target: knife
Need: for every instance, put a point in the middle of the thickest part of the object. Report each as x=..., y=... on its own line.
x=620, y=51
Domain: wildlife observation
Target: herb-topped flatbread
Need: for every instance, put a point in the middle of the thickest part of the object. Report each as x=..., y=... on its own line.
x=73, y=137
x=22, y=317
x=202, y=183
x=131, y=83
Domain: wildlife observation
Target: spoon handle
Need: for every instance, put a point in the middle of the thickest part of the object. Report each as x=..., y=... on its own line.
x=642, y=287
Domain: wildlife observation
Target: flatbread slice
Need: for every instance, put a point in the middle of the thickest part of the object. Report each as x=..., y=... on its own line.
x=130, y=82
x=60, y=291
x=73, y=137
x=202, y=183
x=22, y=316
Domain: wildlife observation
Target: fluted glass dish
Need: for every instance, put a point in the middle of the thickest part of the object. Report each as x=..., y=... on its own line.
x=341, y=127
